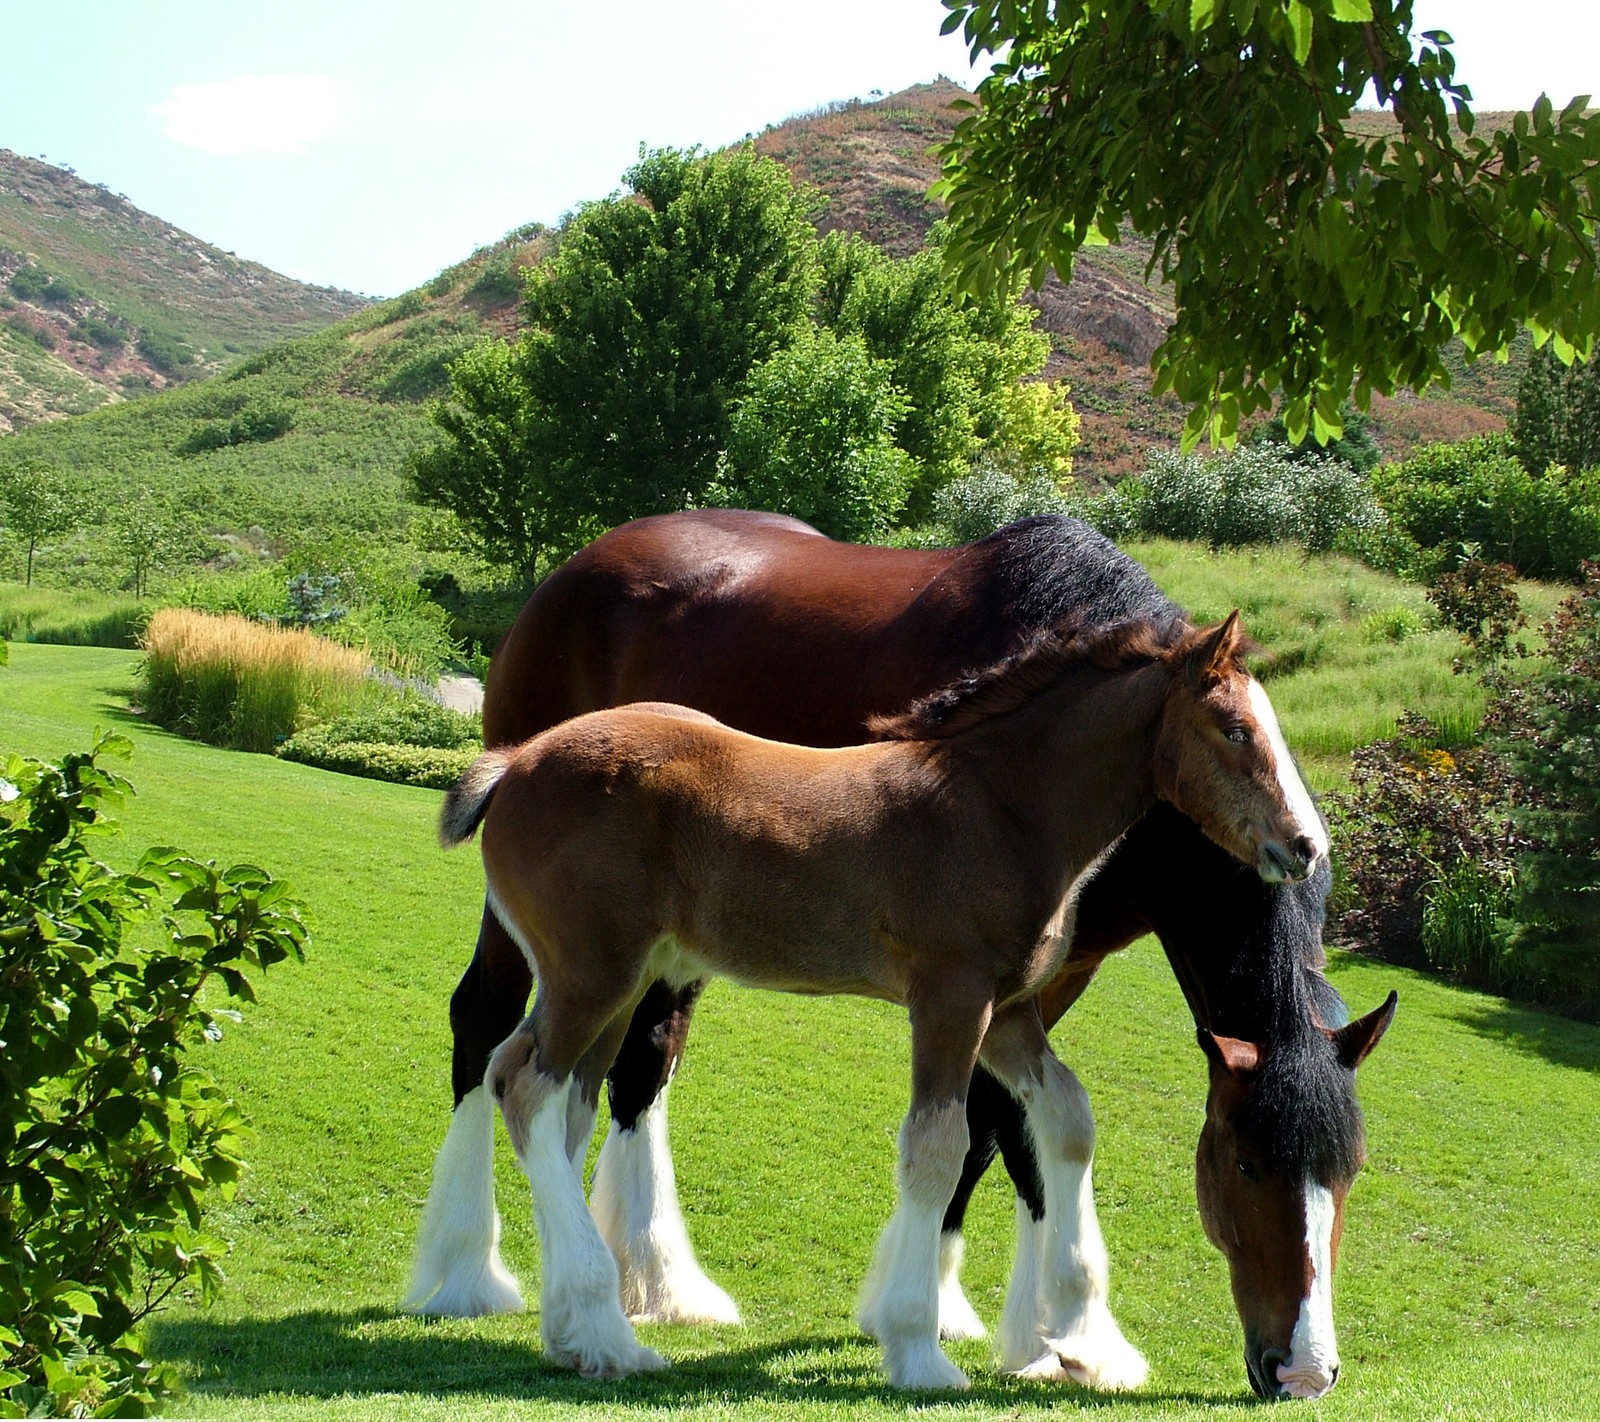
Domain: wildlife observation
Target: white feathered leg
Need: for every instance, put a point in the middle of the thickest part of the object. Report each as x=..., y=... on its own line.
x=634, y=1199
x=457, y=1269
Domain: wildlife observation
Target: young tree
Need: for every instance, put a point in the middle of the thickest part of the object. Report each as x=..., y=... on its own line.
x=1558, y=414
x=150, y=534
x=37, y=503
x=1306, y=254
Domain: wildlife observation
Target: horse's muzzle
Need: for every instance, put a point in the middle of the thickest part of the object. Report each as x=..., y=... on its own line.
x=1265, y=1370
x=1287, y=863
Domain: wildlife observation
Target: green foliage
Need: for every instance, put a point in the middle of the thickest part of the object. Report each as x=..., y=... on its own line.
x=989, y=498
x=1424, y=819
x=36, y=502
x=164, y=351
x=41, y=336
x=110, y=1138
x=1357, y=446
x=94, y=330
x=432, y=769
x=1558, y=413
x=1479, y=602
x=29, y=282
x=150, y=534
x=1307, y=254
x=73, y=619
x=1548, y=728
x=957, y=363
x=812, y=436
x=615, y=402
x=1476, y=495
x=1251, y=494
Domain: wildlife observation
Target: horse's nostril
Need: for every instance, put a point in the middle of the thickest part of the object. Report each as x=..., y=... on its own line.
x=1306, y=848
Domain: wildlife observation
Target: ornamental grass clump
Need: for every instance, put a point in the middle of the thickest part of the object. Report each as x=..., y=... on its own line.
x=241, y=684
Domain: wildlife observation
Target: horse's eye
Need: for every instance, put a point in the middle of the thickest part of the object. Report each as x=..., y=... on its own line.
x=1239, y=735
x=1247, y=1168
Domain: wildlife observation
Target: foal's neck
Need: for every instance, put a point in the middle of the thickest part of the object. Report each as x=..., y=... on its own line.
x=1078, y=760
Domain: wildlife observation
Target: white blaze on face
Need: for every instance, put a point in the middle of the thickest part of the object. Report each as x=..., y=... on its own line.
x=1295, y=794
x=1313, y=1362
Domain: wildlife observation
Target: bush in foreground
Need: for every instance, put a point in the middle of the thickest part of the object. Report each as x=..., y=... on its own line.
x=110, y=1139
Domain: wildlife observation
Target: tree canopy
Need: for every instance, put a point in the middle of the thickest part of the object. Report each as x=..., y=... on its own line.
x=1311, y=256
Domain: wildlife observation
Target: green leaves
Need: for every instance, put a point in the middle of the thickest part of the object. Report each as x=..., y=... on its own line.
x=1308, y=256
x=108, y=1136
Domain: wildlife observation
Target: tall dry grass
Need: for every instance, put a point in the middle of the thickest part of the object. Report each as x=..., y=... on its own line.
x=241, y=684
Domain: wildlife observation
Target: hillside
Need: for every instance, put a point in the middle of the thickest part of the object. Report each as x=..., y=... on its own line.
x=876, y=161
x=100, y=301
x=349, y=404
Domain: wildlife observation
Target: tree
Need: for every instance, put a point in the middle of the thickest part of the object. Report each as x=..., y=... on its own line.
x=37, y=503
x=150, y=534
x=813, y=436
x=958, y=362
x=642, y=328
x=1308, y=254
x=1558, y=414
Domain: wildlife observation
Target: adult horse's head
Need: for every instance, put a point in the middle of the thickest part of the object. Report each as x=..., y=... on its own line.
x=1221, y=759
x=1281, y=1144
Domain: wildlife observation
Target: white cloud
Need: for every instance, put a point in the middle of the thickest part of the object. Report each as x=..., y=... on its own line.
x=253, y=113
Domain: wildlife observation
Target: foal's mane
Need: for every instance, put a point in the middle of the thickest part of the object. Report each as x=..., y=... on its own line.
x=1043, y=660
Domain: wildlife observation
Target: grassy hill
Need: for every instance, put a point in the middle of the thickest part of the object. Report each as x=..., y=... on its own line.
x=1469, y=1271
x=100, y=301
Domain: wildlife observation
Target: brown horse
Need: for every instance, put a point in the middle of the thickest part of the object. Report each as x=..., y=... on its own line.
x=938, y=867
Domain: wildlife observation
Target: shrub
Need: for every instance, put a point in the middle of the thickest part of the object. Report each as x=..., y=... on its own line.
x=406, y=720
x=165, y=352
x=94, y=331
x=1416, y=813
x=1475, y=499
x=41, y=336
x=29, y=282
x=989, y=498
x=1479, y=602
x=434, y=769
x=241, y=684
x=1252, y=494
x=110, y=1137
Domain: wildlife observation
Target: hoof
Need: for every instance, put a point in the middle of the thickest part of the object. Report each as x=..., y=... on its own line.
x=596, y=1360
x=1105, y=1364
x=923, y=1366
x=688, y=1297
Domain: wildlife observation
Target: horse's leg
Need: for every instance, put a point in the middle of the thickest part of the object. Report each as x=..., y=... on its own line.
x=634, y=1196
x=900, y=1299
x=1057, y=1323
x=457, y=1269
x=534, y=1074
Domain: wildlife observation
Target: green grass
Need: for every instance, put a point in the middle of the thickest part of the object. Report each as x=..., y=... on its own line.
x=75, y=617
x=1336, y=681
x=1469, y=1282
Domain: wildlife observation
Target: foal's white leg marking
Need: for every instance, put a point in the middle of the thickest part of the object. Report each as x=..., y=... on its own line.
x=900, y=1299
x=957, y=1317
x=1295, y=794
x=1313, y=1364
x=457, y=1270
x=1018, y=1337
x=1073, y=1334
x=635, y=1203
x=581, y=1319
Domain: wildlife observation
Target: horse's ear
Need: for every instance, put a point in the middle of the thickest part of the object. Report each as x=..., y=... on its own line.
x=1209, y=660
x=1233, y=1054
x=1355, y=1041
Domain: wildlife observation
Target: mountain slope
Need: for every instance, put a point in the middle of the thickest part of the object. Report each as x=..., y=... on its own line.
x=99, y=300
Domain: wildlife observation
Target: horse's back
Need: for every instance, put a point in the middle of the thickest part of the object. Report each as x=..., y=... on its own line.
x=754, y=618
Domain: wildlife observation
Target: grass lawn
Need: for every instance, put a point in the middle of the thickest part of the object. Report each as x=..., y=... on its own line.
x=1469, y=1281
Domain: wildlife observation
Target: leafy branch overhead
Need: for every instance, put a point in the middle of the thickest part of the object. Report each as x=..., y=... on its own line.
x=1307, y=257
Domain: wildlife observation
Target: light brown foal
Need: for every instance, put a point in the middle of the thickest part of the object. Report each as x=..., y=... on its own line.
x=937, y=867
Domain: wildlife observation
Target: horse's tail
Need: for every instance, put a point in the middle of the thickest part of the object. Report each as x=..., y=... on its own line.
x=468, y=799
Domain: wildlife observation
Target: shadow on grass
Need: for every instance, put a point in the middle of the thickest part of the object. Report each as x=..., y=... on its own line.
x=323, y=1353
x=1560, y=1040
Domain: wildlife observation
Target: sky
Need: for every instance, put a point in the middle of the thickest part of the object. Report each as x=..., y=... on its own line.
x=368, y=145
